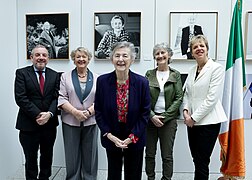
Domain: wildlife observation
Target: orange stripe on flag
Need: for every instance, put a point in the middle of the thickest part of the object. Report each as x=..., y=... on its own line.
x=232, y=149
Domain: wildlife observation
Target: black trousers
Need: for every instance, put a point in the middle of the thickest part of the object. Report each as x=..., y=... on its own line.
x=201, y=142
x=132, y=160
x=32, y=141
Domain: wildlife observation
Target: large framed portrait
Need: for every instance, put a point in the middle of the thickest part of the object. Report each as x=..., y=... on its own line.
x=49, y=30
x=112, y=27
x=248, y=36
x=185, y=25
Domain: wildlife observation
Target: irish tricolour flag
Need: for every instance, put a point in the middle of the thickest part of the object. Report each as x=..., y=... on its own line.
x=231, y=137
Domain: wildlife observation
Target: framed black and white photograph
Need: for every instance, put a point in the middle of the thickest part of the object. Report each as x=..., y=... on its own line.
x=49, y=30
x=248, y=36
x=112, y=27
x=185, y=25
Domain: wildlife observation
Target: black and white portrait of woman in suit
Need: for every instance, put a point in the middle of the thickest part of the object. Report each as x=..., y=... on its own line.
x=185, y=25
x=187, y=33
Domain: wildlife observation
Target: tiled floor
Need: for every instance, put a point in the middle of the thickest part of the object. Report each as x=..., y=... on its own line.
x=58, y=173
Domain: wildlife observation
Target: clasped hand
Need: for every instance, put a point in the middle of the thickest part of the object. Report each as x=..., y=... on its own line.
x=118, y=142
x=188, y=119
x=43, y=118
x=80, y=115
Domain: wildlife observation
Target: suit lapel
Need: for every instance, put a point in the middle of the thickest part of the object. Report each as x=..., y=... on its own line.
x=49, y=38
x=76, y=85
x=47, y=80
x=34, y=78
x=132, y=91
x=113, y=87
x=153, y=82
x=89, y=85
x=204, y=69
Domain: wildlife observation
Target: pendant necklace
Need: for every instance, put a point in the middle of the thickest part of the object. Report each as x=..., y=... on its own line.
x=82, y=76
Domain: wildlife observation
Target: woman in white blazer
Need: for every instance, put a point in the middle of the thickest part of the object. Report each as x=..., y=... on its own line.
x=76, y=99
x=202, y=109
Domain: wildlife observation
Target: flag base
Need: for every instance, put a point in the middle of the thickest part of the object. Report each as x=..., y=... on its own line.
x=224, y=178
x=230, y=178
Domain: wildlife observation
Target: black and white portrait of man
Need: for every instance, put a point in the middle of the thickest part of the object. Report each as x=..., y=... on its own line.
x=49, y=30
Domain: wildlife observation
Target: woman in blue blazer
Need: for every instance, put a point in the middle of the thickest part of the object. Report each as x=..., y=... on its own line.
x=122, y=110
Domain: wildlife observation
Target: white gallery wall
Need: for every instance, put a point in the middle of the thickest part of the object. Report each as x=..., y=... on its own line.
x=154, y=29
x=10, y=154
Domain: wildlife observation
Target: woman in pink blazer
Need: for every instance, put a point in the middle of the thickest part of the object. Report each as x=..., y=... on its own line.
x=76, y=99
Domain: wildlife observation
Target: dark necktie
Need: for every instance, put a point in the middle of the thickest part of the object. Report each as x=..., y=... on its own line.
x=41, y=81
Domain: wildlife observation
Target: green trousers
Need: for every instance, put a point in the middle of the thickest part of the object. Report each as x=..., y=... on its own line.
x=166, y=135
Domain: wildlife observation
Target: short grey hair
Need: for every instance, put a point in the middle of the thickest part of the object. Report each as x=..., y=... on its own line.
x=164, y=46
x=81, y=49
x=123, y=44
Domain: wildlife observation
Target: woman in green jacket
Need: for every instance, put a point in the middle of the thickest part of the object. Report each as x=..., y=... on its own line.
x=166, y=97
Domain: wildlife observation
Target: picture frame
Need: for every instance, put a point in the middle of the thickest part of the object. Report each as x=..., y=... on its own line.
x=247, y=98
x=104, y=38
x=183, y=78
x=50, y=30
x=181, y=24
x=248, y=36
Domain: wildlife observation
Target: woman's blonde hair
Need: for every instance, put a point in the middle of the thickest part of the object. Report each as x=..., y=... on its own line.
x=81, y=49
x=198, y=38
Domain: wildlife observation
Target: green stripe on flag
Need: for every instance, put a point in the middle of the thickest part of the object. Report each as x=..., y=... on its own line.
x=235, y=46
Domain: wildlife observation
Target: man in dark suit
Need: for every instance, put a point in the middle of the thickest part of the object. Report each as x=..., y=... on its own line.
x=37, y=117
x=187, y=33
